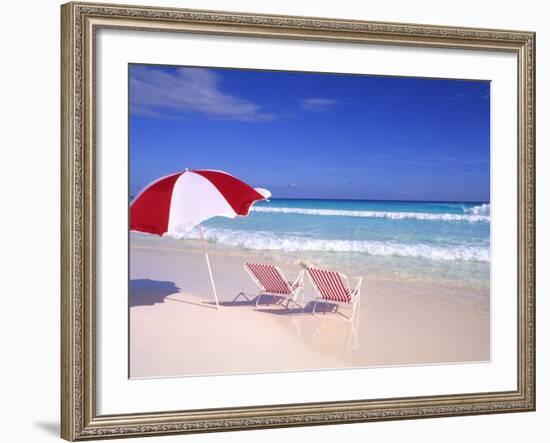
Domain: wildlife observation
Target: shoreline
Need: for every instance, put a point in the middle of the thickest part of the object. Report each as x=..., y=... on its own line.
x=373, y=267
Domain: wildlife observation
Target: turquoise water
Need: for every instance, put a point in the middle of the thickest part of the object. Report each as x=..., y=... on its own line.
x=442, y=240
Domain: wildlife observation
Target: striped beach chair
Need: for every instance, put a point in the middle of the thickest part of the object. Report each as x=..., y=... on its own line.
x=271, y=281
x=333, y=287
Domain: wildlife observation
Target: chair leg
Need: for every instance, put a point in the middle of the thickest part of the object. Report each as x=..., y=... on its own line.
x=293, y=300
x=314, y=306
x=239, y=294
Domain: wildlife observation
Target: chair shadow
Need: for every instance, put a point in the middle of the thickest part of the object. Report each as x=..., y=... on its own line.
x=243, y=300
x=321, y=308
x=147, y=292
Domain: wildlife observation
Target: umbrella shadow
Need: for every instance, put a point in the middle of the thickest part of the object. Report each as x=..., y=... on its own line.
x=147, y=292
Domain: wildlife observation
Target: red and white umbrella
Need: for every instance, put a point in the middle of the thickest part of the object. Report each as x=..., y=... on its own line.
x=175, y=204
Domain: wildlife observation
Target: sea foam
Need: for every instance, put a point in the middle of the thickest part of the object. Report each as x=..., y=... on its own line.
x=483, y=209
x=273, y=242
x=475, y=214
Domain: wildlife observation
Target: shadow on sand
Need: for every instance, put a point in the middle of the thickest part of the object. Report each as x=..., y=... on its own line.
x=204, y=304
x=147, y=292
x=321, y=308
x=271, y=304
x=250, y=300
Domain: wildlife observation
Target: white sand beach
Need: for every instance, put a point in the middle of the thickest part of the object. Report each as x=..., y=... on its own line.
x=175, y=329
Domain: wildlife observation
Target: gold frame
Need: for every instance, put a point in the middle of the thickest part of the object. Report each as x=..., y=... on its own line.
x=79, y=22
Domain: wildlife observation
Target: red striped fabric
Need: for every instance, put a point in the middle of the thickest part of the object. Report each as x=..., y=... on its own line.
x=270, y=278
x=330, y=285
x=150, y=211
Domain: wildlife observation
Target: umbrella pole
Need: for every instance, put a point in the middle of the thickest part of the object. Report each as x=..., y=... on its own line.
x=209, y=268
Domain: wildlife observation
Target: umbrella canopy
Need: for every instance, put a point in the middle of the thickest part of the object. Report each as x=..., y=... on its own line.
x=175, y=204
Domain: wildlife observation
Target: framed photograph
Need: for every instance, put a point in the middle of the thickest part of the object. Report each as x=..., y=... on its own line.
x=284, y=221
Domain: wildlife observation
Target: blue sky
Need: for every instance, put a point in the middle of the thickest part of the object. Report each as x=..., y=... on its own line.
x=310, y=135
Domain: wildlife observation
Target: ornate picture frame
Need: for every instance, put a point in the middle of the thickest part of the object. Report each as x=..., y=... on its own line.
x=80, y=22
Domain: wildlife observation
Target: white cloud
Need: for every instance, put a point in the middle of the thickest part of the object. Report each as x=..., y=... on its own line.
x=318, y=104
x=160, y=94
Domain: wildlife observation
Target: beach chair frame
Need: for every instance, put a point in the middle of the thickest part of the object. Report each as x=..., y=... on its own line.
x=294, y=289
x=355, y=293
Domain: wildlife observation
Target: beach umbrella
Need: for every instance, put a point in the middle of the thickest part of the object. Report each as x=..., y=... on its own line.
x=176, y=203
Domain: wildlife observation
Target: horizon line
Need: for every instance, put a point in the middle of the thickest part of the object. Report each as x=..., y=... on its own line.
x=381, y=200
x=371, y=200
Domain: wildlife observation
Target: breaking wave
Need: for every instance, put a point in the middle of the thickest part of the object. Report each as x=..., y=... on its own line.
x=274, y=242
x=476, y=214
x=483, y=209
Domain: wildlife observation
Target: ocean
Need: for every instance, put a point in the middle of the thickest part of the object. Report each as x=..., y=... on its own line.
x=414, y=240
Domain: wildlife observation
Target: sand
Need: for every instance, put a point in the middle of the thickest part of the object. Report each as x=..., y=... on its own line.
x=175, y=329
